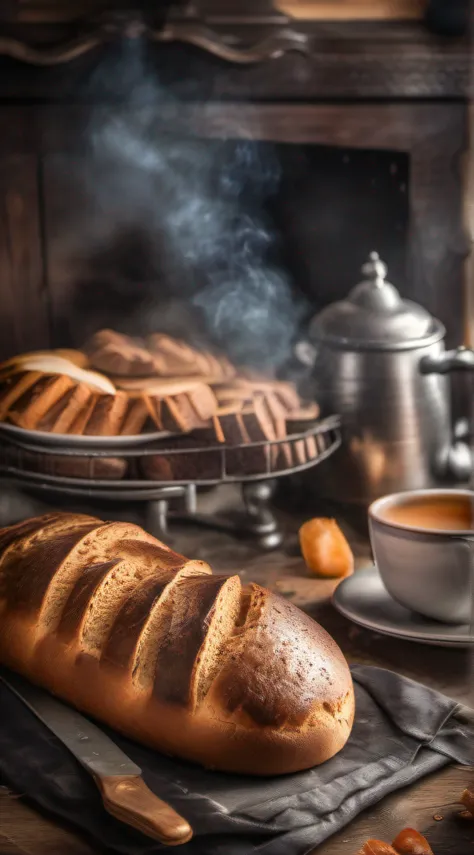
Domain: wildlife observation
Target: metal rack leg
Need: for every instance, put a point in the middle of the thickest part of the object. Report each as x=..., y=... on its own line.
x=156, y=518
x=260, y=522
x=190, y=499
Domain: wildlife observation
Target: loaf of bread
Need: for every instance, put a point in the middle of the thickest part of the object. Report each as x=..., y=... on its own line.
x=70, y=402
x=157, y=384
x=194, y=665
x=159, y=355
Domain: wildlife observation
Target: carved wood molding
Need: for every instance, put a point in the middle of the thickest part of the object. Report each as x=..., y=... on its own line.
x=23, y=52
x=273, y=44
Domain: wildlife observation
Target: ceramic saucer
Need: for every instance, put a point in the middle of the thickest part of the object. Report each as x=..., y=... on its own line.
x=363, y=599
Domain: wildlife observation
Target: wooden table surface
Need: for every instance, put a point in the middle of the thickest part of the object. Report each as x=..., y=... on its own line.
x=24, y=830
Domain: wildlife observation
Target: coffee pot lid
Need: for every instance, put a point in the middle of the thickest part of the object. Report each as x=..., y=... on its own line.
x=374, y=315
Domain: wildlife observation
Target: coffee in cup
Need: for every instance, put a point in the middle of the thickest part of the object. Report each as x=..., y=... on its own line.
x=423, y=545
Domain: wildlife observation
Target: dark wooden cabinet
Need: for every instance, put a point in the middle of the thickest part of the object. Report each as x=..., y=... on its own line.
x=24, y=299
x=356, y=87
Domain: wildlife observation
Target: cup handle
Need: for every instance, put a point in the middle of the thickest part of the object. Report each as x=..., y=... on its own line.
x=469, y=541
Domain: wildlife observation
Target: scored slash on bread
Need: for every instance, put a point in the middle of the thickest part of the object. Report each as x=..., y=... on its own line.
x=19, y=545
x=134, y=640
x=203, y=615
x=114, y=622
x=46, y=585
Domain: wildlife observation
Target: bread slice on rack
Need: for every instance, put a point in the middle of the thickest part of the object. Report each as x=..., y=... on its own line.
x=118, y=354
x=54, y=364
x=59, y=404
x=47, y=392
x=159, y=355
x=175, y=358
x=60, y=418
x=270, y=409
x=191, y=664
x=13, y=387
x=30, y=409
x=76, y=357
x=107, y=416
x=136, y=416
x=174, y=405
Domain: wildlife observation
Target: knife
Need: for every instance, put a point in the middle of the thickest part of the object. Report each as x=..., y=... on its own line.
x=124, y=792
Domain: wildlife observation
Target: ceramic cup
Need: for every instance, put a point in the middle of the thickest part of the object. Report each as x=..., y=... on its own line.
x=428, y=571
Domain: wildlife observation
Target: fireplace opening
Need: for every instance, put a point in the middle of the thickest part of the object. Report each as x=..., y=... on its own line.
x=234, y=243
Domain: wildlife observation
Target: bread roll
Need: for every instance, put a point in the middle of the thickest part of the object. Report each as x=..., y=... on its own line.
x=467, y=799
x=411, y=842
x=376, y=847
x=114, y=622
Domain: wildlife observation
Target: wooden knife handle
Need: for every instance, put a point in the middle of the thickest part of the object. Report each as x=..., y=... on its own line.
x=128, y=799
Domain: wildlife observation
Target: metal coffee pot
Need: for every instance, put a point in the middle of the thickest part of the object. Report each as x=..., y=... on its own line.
x=379, y=361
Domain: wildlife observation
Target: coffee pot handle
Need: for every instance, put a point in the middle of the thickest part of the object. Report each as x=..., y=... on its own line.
x=456, y=459
x=461, y=359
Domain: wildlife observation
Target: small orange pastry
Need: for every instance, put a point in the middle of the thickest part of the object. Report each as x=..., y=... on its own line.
x=467, y=799
x=325, y=549
x=411, y=842
x=376, y=847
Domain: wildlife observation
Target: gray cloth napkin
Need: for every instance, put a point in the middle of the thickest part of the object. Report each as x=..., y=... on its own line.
x=402, y=732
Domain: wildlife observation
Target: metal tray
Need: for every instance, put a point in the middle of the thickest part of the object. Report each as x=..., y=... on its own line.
x=60, y=440
x=327, y=430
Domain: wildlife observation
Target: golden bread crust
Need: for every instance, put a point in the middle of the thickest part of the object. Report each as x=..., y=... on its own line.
x=189, y=663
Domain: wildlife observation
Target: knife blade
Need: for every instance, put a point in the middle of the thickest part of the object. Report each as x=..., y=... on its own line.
x=123, y=790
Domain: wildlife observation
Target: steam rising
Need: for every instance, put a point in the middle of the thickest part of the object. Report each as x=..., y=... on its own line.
x=202, y=204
